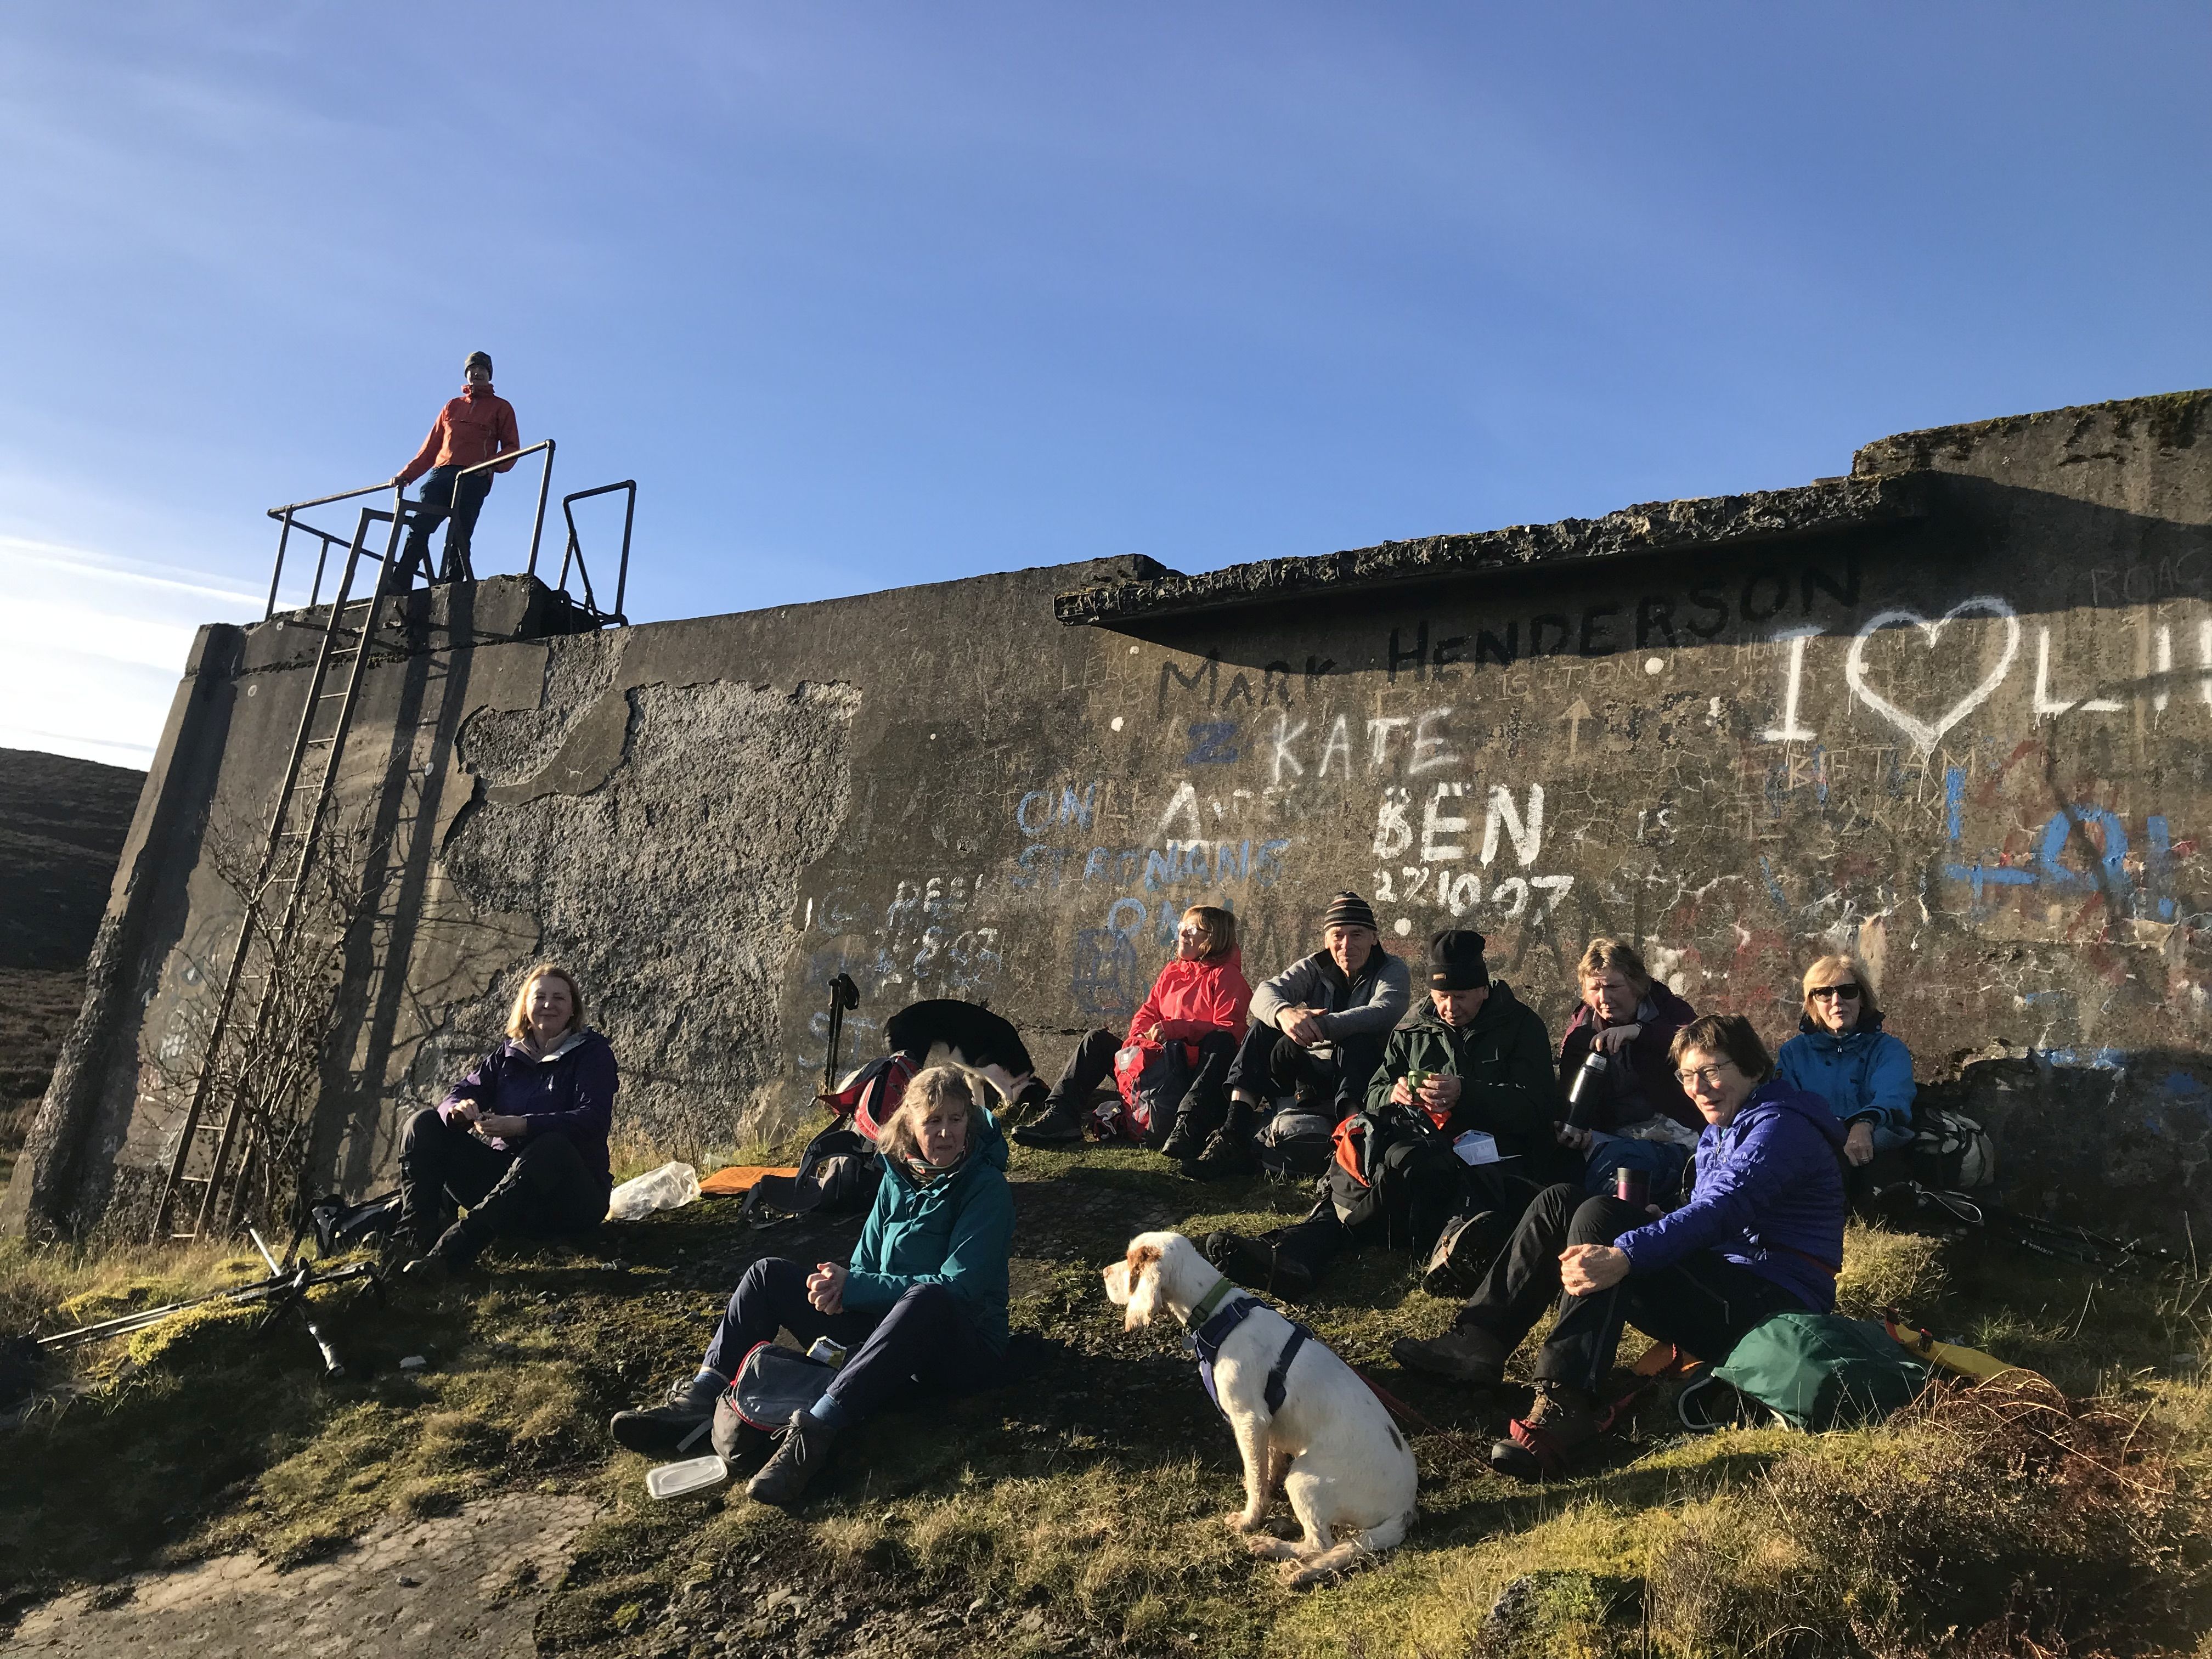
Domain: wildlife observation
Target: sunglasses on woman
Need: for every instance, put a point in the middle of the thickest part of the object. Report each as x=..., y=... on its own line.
x=1848, y=992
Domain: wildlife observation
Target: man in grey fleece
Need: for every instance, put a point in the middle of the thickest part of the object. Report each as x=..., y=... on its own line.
x=1317, y=1030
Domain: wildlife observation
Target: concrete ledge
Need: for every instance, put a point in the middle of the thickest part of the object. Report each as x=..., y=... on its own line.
x=1658, y=526
x=449, y=616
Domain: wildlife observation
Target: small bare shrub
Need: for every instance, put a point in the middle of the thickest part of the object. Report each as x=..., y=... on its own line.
x=1986, y=1520
x=268, y=1064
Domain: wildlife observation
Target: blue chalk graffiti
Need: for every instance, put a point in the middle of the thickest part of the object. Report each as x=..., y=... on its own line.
x=2049, y=872
x=1210, y=742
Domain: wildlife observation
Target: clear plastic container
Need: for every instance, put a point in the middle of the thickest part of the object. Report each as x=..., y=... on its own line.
x=670, y=1186
x=682, y=1479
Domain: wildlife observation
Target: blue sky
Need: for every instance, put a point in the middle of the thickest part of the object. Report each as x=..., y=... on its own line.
x=871, y=294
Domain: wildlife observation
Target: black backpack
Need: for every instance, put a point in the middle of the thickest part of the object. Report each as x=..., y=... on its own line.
x=1296, y=1145
x=839, y=1171
x=1373, y=1152
x=339, y=1226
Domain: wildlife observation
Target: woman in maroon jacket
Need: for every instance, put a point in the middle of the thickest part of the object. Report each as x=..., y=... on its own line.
x=1629, y=1020
x=522, y=1141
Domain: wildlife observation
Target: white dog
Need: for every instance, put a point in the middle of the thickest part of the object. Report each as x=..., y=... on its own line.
x=1329, y=1444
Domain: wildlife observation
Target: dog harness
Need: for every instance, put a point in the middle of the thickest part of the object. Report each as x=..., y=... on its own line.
x=1211, y=1324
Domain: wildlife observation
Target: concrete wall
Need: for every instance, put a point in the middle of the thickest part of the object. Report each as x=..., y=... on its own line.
x=1952, y=712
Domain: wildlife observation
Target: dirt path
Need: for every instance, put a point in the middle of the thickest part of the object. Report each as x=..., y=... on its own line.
x=463, y=1586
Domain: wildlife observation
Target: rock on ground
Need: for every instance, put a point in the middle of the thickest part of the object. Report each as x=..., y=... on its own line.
x=463, y=1586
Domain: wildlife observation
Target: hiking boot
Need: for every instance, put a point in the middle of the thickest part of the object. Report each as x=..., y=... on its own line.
x=1462, y=1254
x=1561, y=1426
x=1465, y=1353
x=1194, y=1126
x=1060, y=1124
x=1258, y=1265
x=797, y=1459
x=452, y=1258
x=1229, y=1149
x=675, y=1428
x=438, y=1268
x=412, y=1236
x=1036, y=1097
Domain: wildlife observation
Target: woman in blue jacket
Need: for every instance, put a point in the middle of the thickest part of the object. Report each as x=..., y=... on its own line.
x=1762, y=1234
x=1842, y=1055
x=521, y=1140
x=924, y=1297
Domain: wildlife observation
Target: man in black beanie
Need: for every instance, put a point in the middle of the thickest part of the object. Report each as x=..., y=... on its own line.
x=1476, y=1059
x=1318, y=1031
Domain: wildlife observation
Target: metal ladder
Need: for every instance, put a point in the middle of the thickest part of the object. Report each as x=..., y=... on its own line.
x=294, y=824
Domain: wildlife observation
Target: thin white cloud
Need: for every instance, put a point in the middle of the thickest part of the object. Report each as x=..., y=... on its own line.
x=92, y=646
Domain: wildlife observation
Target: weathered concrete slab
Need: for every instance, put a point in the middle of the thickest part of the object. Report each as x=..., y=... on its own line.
x=466, y=1585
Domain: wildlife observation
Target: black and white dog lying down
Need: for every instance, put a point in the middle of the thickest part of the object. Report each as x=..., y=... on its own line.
x=1303, y=1420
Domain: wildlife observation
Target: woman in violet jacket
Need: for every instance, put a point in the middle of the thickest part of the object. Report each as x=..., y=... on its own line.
x=1762, y=1233
x=1842, y=1055
x=1201, y=1000
x=521, y=1140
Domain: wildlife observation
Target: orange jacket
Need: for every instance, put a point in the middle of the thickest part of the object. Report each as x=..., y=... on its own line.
x=1192, y=999
x=472, y=428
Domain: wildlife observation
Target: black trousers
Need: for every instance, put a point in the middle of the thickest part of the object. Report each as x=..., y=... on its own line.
x=454, y=502
x=1091, y=1068
x=1703, y=1304
x=1268, y=1064
x=545, y=1189
x=929, y=1338
x=1431, y=1188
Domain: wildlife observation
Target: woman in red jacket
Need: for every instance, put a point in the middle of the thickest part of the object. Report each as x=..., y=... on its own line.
x=1199, y=1001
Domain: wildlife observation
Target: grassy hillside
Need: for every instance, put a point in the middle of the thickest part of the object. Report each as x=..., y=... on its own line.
x=1076, y=1509
x=62, y=824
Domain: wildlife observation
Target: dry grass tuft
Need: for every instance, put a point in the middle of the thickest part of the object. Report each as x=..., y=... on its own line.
x=1882, y=1269
x=1118, y=1550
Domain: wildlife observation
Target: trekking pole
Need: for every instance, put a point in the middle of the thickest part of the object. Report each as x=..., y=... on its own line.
x=126, y=1324
x=843, y=994
x=301, y=1279
x=2059, y=1240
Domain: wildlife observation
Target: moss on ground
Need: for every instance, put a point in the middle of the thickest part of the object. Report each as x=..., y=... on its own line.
x=1077, y=1509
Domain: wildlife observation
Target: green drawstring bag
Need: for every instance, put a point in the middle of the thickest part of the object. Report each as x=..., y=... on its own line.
x=1823, y=1372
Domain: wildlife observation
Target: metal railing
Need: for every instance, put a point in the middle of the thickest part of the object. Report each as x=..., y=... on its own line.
x=399, y=514
x=575, y=548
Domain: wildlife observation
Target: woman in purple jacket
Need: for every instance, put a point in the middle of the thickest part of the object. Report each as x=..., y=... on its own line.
x=522, y=1141
x=1762, y=1233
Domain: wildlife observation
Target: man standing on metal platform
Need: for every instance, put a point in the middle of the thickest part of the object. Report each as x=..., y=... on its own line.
x=472, y=428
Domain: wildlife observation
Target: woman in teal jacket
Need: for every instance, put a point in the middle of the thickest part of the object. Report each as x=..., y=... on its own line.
x=1842, y=1055
x=924, y=1297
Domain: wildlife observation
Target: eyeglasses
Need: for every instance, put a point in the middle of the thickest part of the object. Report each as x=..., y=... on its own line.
x=1189, y=930
x=1848, y=992
x=1711, y=1076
